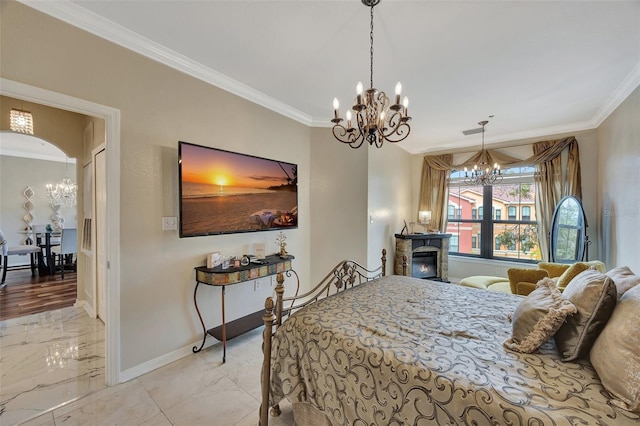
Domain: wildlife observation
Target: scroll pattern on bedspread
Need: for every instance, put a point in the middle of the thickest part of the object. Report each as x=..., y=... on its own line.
x=402, y=351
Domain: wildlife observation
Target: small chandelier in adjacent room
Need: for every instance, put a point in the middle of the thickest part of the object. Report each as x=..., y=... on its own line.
x=21, y=121
x=482, y=173
x=63, y=193
x=373, y=119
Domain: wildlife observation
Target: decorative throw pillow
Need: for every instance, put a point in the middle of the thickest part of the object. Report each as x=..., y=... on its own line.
x=538, y=317
x=623, y=278
x=570, y=274
x=594, y=295
x=616, y=353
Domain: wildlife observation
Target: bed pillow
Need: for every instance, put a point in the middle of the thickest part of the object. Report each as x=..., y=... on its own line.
x=616, y=353
x=571, y=272
x=623, y=278
x=538, y=317
x=594, y=295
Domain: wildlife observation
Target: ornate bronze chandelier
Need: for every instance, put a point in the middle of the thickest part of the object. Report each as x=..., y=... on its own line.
x=482, y=173
x=372, y=117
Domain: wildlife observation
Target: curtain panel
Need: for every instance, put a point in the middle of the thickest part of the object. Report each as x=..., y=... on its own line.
x=550, y=186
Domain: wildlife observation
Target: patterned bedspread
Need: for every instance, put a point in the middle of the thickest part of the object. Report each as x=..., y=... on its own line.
x=402, y=351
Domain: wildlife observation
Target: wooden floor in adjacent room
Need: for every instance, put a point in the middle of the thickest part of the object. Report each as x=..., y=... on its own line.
x=25, y=294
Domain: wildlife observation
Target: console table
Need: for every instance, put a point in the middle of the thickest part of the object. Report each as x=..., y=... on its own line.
x=219, y=277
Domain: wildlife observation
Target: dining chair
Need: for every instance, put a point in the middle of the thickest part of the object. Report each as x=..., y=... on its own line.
x=22, y=250
x=67, y=248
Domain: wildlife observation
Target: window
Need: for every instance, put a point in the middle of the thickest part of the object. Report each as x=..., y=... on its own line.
x=475, y=217
x=453, y=243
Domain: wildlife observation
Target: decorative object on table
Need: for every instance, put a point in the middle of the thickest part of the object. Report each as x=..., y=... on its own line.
x=226, y=261
x=424, y=217
x=245, y=260
x=214, y=259
x=280, y=241
x=56, y=217
x=405, y=229
x=258, y=250
x=482, y=173
x=376, y=120
x=412, y=227
x=28, y=217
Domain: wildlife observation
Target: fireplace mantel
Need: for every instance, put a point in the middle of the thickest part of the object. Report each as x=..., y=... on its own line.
x=406, y=245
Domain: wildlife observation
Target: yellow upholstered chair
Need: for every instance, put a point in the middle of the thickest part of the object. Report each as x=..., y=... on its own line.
x=523, y=281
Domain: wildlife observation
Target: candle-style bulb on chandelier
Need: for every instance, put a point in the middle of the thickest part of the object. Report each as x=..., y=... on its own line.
x=372, y=117
x=482, y=173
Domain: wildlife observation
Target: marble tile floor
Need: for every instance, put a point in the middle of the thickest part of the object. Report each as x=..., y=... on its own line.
x=195, y=390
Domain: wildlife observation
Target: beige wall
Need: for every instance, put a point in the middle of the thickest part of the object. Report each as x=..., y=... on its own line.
x=389, y=201
x=159, y=106
x=338, y=203
x=618, y=186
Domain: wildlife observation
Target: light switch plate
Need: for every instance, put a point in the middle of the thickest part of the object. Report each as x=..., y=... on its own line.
x=169, y=223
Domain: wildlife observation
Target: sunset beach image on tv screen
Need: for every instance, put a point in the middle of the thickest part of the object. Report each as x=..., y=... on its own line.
x=225, y=192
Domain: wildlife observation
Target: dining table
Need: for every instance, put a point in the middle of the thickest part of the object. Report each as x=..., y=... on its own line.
x=45, y=239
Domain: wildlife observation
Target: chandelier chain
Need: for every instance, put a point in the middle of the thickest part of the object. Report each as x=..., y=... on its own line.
x=371, y=47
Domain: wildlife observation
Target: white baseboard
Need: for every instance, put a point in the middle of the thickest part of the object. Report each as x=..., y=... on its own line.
x=86, y=306
x=161, y=361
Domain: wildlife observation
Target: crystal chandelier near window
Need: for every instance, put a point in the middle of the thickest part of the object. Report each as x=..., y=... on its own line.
x=482, y=173
x=21, y=121
x=375, y=119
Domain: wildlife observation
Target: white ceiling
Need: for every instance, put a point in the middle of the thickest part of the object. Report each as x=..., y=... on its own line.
x=540, y=67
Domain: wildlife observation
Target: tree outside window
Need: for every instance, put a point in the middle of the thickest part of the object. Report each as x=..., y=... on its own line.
x=483, y=232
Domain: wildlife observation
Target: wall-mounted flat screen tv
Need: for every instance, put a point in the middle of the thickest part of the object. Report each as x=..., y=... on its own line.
x=223, y=192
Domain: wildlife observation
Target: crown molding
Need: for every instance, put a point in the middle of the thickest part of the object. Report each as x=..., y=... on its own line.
x=622, y=92
x=79, y=17
x=514, y=137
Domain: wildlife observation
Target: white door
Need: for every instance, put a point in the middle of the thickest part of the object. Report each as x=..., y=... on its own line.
x=99, y=160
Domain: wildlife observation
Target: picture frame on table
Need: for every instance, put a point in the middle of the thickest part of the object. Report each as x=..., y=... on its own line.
x=214, y=259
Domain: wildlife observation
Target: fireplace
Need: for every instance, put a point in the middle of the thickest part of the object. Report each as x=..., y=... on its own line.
x=424, y=264
x=427, y=256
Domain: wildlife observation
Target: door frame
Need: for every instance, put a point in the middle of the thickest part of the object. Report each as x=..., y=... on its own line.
x=94, y=230
x=111, y=116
